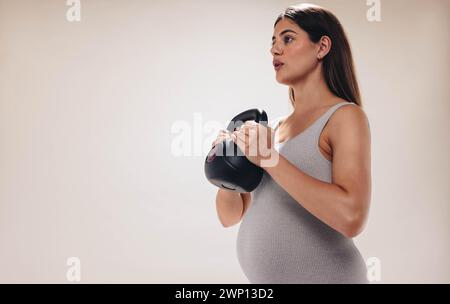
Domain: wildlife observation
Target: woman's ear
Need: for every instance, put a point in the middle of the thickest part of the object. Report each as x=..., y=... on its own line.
x=324, y=47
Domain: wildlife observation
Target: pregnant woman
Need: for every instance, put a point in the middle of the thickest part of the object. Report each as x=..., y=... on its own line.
x=297, y=225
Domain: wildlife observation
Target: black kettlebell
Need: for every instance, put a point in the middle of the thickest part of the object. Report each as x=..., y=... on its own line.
x=233, y=171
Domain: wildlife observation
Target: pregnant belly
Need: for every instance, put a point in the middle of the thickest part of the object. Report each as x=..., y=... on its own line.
x=290, y=250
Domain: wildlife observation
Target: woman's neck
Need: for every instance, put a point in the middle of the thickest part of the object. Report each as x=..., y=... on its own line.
x=312, y=92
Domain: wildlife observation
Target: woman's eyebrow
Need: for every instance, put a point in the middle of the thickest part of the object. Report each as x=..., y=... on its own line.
x=284, y=32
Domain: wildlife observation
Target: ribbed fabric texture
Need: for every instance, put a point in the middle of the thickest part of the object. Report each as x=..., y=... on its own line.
x=279, y=241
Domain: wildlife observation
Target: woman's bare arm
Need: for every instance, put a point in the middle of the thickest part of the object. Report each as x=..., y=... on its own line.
x=343, y=204
x=231, y=206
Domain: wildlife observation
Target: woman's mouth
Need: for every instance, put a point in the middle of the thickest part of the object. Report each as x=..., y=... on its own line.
x=278, y=66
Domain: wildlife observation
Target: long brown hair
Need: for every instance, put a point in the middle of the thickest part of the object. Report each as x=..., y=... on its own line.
x=338, y=64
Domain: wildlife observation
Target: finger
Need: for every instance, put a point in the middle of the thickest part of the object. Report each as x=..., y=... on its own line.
x=245, y=142
x=238, y=136
x=253, y=141
x=222, y=132
x=251, y=133
x=239, y=142
x=241, y=135
x=244, y=130
x=219, y=139
x=233, y=136
x=214, y=143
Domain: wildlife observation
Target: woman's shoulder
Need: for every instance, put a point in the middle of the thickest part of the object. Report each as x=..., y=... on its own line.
x=348, y=117
x=345, y=113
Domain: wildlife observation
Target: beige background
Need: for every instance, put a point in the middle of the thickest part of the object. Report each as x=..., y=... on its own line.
x=86, y=110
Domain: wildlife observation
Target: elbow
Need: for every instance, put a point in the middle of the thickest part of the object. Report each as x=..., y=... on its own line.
x=224, y=224
x=355, y=216
x=352, y=230
x=354, y=224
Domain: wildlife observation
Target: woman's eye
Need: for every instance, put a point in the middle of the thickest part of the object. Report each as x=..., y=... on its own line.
x=286, y=38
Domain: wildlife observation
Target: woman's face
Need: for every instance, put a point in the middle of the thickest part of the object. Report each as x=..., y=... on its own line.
x=295, y=50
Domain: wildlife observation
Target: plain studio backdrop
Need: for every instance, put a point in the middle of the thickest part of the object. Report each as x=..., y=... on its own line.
x=89, y=113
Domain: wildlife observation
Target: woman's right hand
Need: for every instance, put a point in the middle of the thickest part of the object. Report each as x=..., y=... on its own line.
x=223, y=135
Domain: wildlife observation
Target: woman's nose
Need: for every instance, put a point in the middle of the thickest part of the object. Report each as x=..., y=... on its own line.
x=275, y=50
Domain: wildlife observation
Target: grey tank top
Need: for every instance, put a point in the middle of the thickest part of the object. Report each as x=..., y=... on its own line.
x=279, y=241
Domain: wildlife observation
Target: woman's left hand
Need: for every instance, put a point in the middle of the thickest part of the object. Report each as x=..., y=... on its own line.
x=255, y=141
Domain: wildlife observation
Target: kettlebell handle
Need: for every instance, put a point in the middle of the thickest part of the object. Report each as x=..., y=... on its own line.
x=258, y=115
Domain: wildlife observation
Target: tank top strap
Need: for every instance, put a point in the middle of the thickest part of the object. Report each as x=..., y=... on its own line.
x=322, y=121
